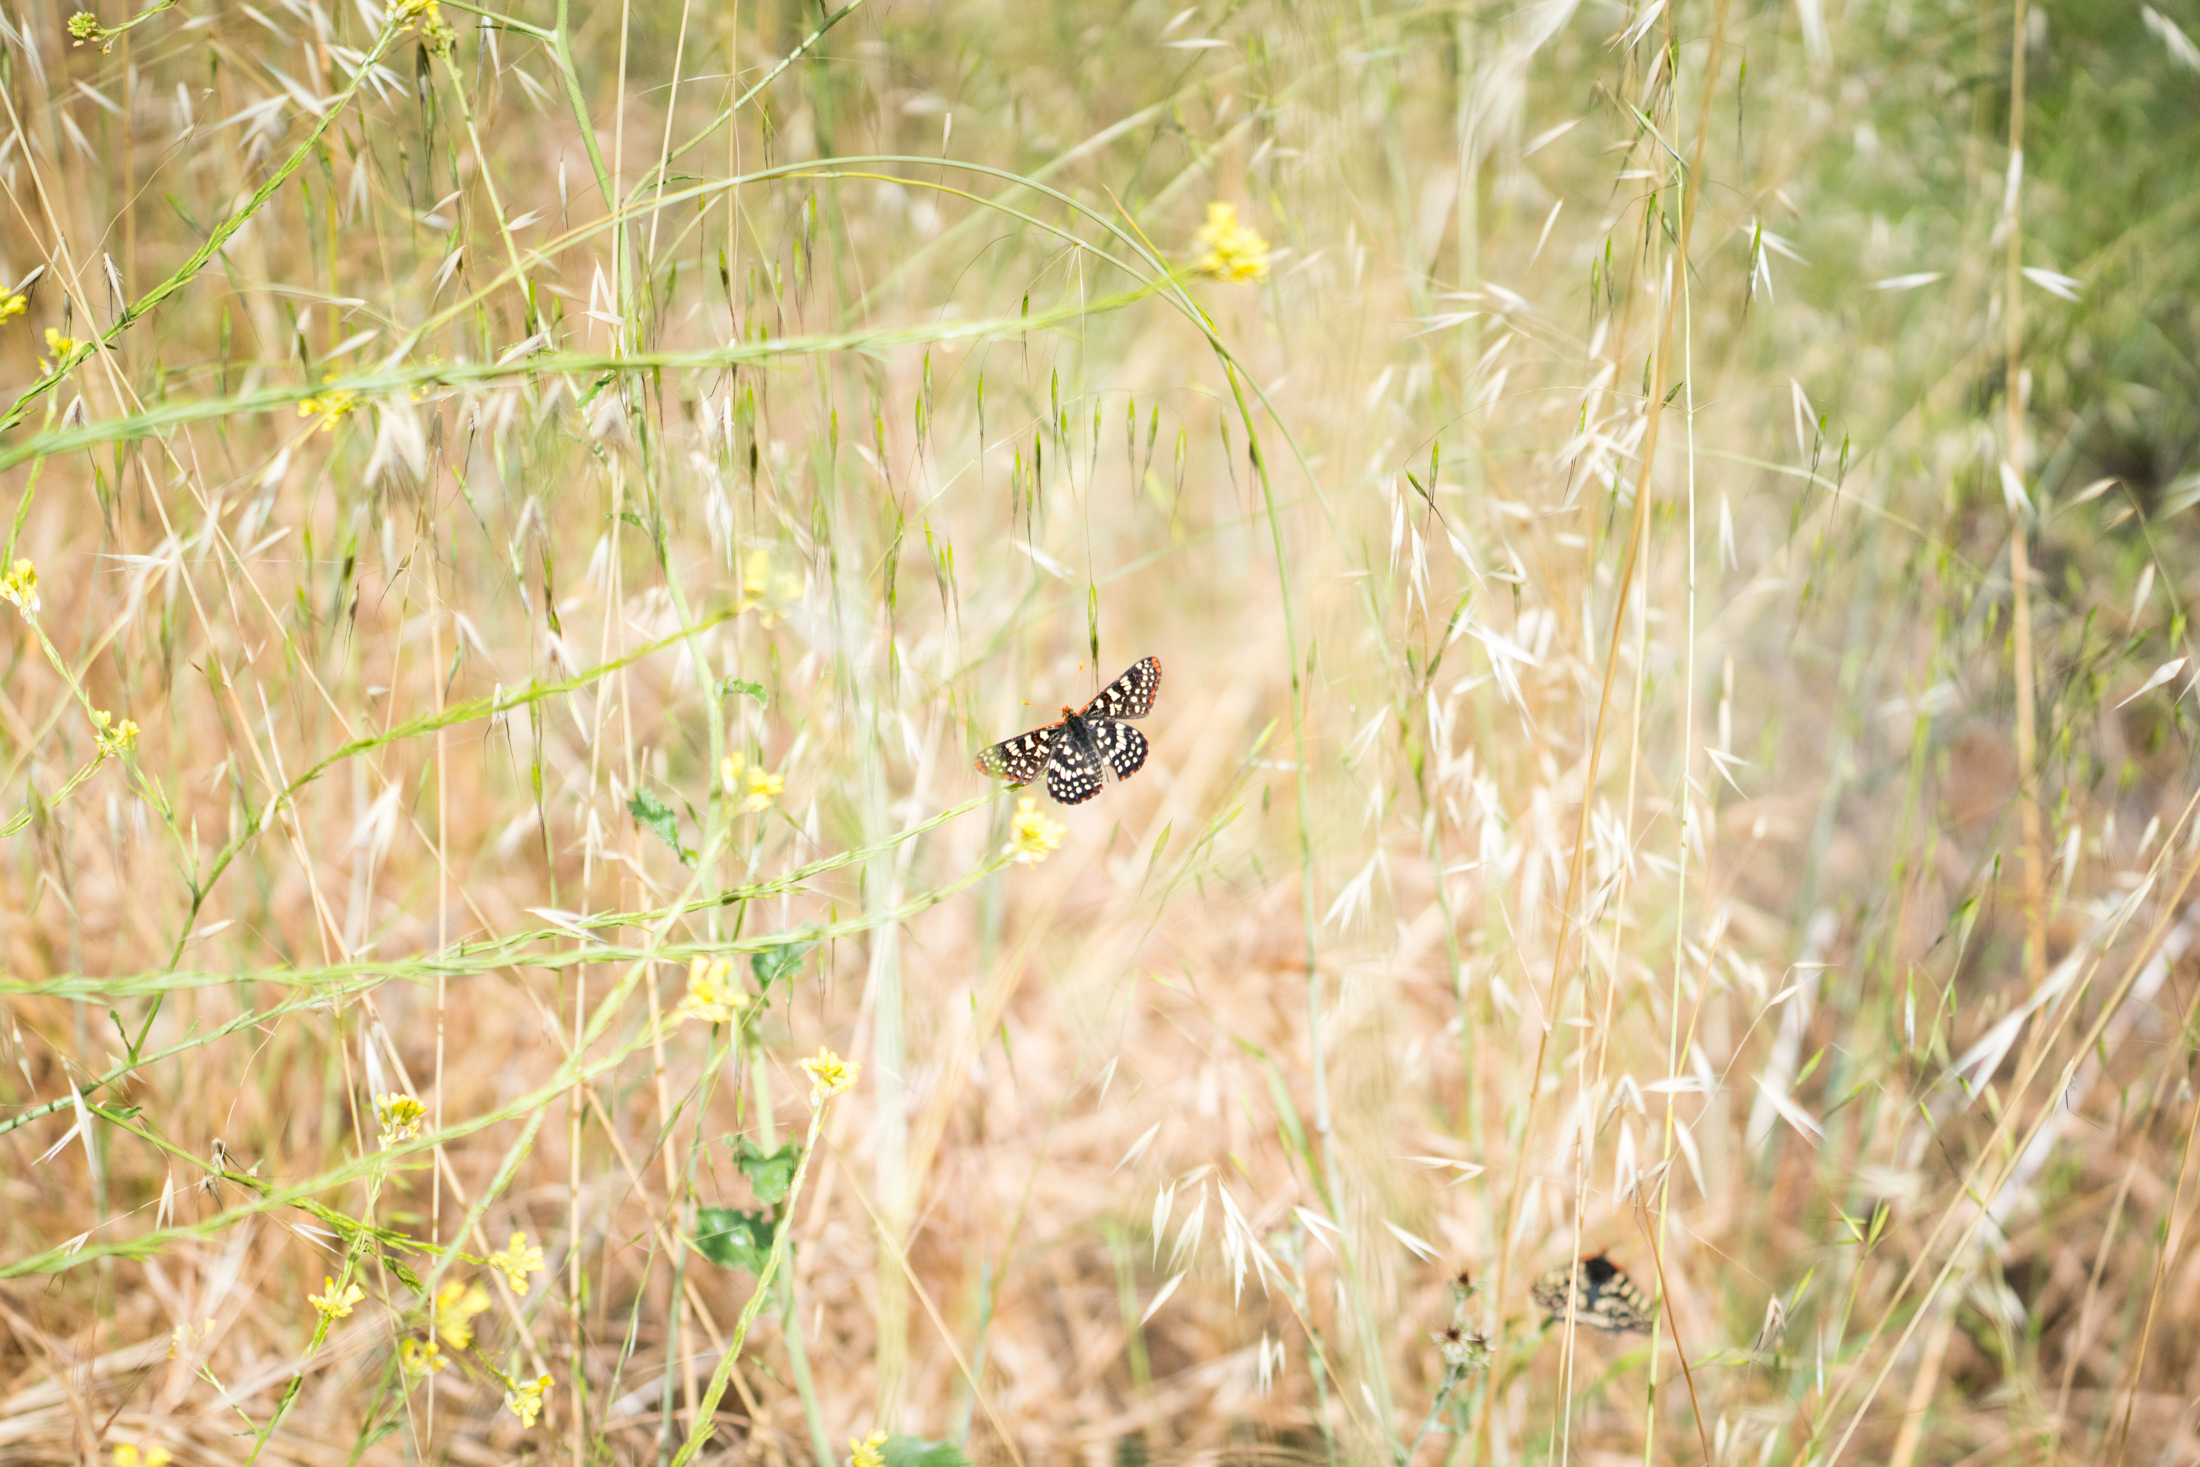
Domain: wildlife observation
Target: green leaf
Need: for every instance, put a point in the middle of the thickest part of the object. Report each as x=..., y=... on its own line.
x=770, y=1173
x=910, y=1451
x=728, y=686
x=657, y=815
x=733, y=1238
x=776, y=963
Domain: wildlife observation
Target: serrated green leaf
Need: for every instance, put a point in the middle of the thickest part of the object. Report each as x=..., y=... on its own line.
x=733, y=1238
x=728, y=686
x=770, y=1173
x=657, y=815
x=776, y=963
x=910, y=1451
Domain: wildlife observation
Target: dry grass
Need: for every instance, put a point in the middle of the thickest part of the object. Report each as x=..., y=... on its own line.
x=1540, y=852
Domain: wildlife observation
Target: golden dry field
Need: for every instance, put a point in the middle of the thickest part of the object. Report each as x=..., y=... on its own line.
x=1667, y=532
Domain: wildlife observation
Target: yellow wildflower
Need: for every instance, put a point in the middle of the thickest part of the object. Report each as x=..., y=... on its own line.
x=760, y=589
x=864, y=1451
x=332, y=1303
x=1229, y=251
x=749, y=786
x=330, y=407
x=60, y=346
x=525, y=1399
x=421, y=1357
x=714, y=995
x=114, y=739
x=13, y=304
x=456, y=1304
x=829, y=1074
x=1032, y=835
x=401, y=1117
x=516, y=1262
x=130, y=1454
x=20, y=585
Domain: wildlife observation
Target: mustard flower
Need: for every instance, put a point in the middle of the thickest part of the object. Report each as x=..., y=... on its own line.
x=331, y=1302
x=130, y=1454
x=1032, y=835
x=401, y=1117
x=749, y=786
x=20, y=586
x=421, y=1357
x=330, y=407
x=113, y=739
x=525, y=1399
x=1230, y=251
x=714, y=995
x=829, y=1074
x=516, y=1262
x=863, y=1451
x=13, y=304
x=456, y=1304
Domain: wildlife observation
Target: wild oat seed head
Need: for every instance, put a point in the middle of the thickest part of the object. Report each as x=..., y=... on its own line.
x=829, y=1074
x=1031, y=834
x=1230, y=251
x=516, y=1262
x=525, y=1400
x=332, y=1303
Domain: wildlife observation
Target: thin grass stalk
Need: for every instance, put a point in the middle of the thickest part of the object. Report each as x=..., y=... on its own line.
x=2020, y=572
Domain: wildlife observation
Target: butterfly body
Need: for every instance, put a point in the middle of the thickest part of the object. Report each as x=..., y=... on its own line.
x=1090, y=747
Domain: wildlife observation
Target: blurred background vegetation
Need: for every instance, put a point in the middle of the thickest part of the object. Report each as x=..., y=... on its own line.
x=1667, y=531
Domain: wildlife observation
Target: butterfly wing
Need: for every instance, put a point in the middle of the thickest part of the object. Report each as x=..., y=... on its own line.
x=1121, y=746
x=1601, y=1294
x=1131, y=695
x=1072, y=775
x=1022, y=759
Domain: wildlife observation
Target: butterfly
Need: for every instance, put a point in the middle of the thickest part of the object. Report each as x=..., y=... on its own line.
x=1603, y=1296
x=1087, y=748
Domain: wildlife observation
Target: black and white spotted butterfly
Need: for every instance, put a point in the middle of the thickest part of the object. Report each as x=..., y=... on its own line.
x=1087, y=748
x=1603, y=1296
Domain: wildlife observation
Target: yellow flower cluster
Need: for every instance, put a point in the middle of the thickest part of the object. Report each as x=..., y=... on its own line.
x=20, y=586
x=400, y=1116
x=85, y=27
x=1230, y=251
x=13, y=304
x=1032, y=835
x=864, y=1451
x=60, y=346
x=456, y=1304
x=330, y=407
x=714, y=995
x=421, y=1357
x=130, y=1454
x=749, y=787
x=759, y=588
x=829, y=1074
x=516, y=1262
x=114, y=739
x=332, y=1303
x=525, y=1399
